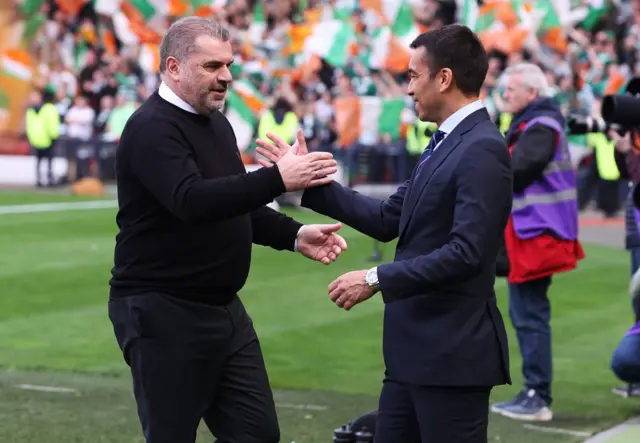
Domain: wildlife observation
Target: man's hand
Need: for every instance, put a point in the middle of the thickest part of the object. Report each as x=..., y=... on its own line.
x=298, y=168
x=621, y=144
x=305, y=171
x=276, y=150
x=350, y=289
x=321, y=243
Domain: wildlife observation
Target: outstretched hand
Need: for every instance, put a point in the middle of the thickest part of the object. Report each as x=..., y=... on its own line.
x=350, y=289
x=276, y=150
x=321, y=243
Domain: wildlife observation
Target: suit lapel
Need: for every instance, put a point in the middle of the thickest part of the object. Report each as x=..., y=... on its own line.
x=420, y=181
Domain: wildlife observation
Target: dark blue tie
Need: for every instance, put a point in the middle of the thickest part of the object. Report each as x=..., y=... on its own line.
x=435, y=139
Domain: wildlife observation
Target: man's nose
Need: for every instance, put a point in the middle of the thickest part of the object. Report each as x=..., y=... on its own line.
x=225, y=75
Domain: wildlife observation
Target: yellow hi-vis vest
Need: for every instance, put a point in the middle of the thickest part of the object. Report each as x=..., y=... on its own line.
x=42, y=127
x=605, y=155
x=504, y=122
x=285, y=130
x=417, y=140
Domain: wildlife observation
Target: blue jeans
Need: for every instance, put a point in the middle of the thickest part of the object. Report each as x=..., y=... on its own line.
x=530, y=313
x=635, y=264
x=625, y=362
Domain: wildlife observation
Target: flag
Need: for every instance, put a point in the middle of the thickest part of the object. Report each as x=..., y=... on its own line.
x=331, y=40
x=550, y=28
x=250, y=94
x=258, y=24
x=124, y=30
x=16, y=63
x=131, y=21
x=150, y=57
x=70, y=7
x=29, y=7
x=204, y=8
x=356, y=114
x=596, y=11
x=387, y=52
x=616, y=81
x=106, y=7
x=242, y=119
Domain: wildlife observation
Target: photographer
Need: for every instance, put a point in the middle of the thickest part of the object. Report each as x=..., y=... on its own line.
x=625, y=362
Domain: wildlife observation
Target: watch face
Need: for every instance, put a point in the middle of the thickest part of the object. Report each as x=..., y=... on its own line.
x=372, y=276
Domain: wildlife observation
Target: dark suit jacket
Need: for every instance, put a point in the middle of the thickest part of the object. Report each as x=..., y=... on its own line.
x=441, y=323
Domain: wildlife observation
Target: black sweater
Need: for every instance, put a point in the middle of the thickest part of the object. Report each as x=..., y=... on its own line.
x=188, y=211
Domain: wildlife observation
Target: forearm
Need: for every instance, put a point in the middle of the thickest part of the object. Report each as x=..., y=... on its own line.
x=452, y=263
x=373, y=217
x=222, y=198
x=168, y=170
x=273, y=229
x=533, y=152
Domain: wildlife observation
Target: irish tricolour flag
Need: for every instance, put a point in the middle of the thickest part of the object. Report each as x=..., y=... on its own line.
x=354, y=115
x=330, y=40
x=16, y=63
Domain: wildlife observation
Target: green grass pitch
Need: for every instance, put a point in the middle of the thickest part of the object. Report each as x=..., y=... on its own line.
x=325, y=364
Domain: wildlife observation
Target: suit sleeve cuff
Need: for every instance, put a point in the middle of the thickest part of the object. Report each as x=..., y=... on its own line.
x=385, y=281
x=295, y=242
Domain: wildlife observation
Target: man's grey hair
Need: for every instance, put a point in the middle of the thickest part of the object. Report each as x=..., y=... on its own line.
x=180, y=39
x=532, y=77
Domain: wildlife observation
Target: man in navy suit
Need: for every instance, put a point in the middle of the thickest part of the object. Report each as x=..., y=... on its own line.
x=444, y=341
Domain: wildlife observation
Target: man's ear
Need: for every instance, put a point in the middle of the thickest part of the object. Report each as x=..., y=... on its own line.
x=172, y=68
x=445, y=79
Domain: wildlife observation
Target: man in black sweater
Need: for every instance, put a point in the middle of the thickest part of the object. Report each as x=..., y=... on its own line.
x=188, y=215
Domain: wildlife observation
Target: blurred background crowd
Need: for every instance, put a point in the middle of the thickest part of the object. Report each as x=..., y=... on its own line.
x=336, y=68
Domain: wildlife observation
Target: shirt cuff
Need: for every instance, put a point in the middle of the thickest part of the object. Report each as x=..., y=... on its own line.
x=295, y=243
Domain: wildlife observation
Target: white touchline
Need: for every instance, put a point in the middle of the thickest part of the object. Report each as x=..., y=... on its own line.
x=558, y=430
x=47, y=389
x=58, y=207
x=307, y=407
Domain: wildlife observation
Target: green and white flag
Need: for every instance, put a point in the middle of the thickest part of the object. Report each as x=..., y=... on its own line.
x=331, y=40
x=242, y=120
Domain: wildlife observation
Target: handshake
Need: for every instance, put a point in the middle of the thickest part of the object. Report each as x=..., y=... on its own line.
x=298, y=168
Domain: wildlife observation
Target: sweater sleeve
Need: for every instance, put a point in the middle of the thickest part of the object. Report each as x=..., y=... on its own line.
x=165, y=166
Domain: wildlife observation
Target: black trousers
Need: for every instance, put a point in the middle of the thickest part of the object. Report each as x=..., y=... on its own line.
x=432, y=414
x=44, y=154
x=191, y=361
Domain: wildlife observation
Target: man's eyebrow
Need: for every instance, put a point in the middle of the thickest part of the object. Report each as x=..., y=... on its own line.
x=218, y=62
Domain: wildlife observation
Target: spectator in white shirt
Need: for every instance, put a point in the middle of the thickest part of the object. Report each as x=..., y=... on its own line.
x=79, y=131
x=79, y=120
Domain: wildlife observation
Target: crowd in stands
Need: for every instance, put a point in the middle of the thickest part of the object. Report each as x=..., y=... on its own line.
x=334, y=67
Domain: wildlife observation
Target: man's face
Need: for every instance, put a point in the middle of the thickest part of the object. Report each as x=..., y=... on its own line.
x=35, y=98
x=205, y=76
x=422, y=88
x=517, y=95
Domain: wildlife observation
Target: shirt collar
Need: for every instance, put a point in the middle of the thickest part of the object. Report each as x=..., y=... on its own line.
x=456, y=118
x=167, y=93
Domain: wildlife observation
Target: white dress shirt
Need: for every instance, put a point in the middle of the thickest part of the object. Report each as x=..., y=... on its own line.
x=167, y=93
x=454, y=119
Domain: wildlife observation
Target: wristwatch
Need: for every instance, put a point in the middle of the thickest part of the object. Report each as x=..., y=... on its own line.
x=371, y=279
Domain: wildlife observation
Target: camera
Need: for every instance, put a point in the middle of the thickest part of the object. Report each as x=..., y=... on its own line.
x=620, y=113
x=359, y=430
x=579, y=125
x=623, y=110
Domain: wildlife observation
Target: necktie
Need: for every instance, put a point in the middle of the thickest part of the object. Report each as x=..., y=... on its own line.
x=436, y=138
